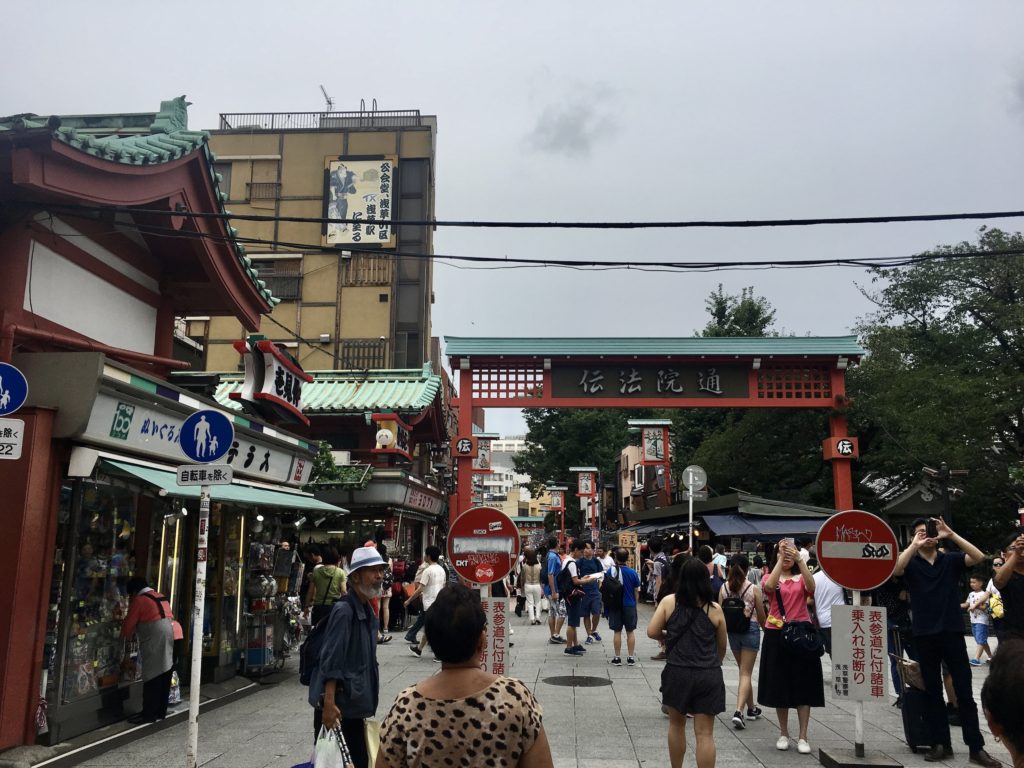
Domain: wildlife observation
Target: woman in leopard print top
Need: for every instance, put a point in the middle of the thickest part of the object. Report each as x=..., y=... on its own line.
x=463, y=716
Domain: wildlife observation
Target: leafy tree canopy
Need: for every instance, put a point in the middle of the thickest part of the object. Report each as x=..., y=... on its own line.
x=944, y=377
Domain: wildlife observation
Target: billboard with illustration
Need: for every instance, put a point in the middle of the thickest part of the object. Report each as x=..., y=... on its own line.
x=359, y=189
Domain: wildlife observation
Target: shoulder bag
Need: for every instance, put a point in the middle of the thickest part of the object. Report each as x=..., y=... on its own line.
x=799, y=638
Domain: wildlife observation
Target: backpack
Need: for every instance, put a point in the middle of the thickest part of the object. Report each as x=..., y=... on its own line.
x=735, y=610
x=612, y=591
x=717, y=580
x=995, y=606
x=309, y=650
x=563, y=582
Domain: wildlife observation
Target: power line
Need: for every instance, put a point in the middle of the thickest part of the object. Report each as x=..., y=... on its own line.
x=514, y=262
x=694, y=224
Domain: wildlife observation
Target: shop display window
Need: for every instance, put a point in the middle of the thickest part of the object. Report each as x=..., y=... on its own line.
x=100, y=535
x=222, y=615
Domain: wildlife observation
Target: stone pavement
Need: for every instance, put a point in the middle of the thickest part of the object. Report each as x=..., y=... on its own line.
x=614, y=725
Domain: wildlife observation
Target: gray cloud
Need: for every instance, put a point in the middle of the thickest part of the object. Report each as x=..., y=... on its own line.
x=573, y=126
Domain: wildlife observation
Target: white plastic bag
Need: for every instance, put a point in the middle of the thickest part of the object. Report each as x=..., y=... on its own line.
x=331, y=750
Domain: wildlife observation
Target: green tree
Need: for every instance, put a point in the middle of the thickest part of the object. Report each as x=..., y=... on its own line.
x=324, y=469
x=743, y=315
x=944, y=375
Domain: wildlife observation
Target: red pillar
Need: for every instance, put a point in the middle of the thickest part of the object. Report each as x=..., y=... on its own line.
x=842, y=471
x=464, y=491
x=29, y=524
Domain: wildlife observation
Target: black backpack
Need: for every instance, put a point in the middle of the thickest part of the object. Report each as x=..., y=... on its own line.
x=309, y=650
x=612, y=591
x=563, y=582
x=735, y=610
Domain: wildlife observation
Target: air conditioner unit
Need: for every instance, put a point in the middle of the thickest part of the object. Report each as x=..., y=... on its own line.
x=342, y=458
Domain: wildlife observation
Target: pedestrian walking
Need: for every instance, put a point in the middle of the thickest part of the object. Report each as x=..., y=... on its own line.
x=345, y=686
x=1009, y=580
x=623, y=615
x=743, y=608
x=932, y=576
x=149, y=617
x=532, y=589
x=694, y=630
x=430, y=583
x=786, y=680
x=411, y=636
x=976, y=606
x=326, y=586
x=463, y=715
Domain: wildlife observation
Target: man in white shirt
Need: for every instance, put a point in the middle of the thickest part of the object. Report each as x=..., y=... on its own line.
x=607, y=561
x=826, y=595
x=430, y=582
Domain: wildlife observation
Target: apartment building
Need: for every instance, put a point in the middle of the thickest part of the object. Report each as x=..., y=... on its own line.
x=353, y=296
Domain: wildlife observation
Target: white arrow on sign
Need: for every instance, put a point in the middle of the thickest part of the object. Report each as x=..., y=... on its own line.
x=694, y=477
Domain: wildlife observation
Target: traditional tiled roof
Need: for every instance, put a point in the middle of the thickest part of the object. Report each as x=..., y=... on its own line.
x=399, y=390
x=781, y=346
x=140, y=139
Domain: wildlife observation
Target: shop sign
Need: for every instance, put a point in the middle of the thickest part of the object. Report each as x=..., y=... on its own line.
x=585, y=486
x=204, y=474
x=422, y=501
x=126, y=426
x=557, y=500
x=272, y=386
x=860, y=669
x=12, y=434
x=482, y=462
x=493, y=657
x=712, y=382
x=654, y=444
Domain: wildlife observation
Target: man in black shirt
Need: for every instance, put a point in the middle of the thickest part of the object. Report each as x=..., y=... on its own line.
x=933, y=579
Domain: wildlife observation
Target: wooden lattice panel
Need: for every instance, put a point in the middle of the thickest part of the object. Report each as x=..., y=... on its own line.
x=794, y=383
x=507, y=382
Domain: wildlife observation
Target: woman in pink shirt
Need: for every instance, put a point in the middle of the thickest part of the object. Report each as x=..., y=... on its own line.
x=785, y=680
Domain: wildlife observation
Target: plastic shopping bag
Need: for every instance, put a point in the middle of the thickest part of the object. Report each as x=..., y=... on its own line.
x=331, y=750
x=174, y=695
x=371, y=729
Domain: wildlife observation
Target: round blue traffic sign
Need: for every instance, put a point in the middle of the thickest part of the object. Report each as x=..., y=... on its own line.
x=206, y=436
x=13, y=389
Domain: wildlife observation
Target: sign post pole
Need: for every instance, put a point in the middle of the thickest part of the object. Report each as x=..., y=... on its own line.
x=695, y=478
x=191, y=753
x=858, y=709
x=205, y=437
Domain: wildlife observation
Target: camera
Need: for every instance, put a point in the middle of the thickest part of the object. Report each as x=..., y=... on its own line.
x=930, y=529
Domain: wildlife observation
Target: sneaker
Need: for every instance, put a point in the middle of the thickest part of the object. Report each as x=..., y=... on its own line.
x=556, y=640
x=437, y=660
x=589, y=640
x=574, y=651
x=616, y=661
x=737, y=721
x=782, y=743
x=631, y=660
x=753, y=713
x=803, y=747
x=596, y=637
x=580, y=648
x=975, y=662
x=415, y=650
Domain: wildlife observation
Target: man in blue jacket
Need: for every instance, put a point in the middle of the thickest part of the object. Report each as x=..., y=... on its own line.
x=345, y=687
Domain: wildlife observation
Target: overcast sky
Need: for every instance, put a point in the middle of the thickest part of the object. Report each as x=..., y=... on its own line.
x=604, y=112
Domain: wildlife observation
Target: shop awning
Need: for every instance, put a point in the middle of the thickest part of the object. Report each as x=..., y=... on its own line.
x=236, y=492
x=735, y=525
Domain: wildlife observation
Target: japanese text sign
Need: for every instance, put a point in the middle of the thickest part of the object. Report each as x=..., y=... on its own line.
x=204, y=474
x=494, y=658
x=860, y=668
x=640, y=381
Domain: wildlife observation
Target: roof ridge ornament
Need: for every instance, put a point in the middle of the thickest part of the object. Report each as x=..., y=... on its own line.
x=173, y=116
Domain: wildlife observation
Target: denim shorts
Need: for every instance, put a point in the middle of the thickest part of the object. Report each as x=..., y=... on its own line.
x=622, y=618
x=980, y=633
x=749, y=640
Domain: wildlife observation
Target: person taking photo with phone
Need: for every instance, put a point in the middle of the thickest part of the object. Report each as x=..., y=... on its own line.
x=933, y=577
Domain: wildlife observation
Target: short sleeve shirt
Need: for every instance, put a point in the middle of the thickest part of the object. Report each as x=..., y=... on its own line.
x=433, y=580
x=494, y=727
x=934, y=592
x=553, y=566
x=630, y=581
x=794, y=600
x=586, y=567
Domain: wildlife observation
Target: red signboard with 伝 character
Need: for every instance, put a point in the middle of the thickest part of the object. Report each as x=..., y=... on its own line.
x=483, y=545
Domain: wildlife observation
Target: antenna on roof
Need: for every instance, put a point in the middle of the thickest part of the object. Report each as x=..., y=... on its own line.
x=328, y=99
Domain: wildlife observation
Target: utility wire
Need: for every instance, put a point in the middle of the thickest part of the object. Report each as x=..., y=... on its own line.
x=708, y=223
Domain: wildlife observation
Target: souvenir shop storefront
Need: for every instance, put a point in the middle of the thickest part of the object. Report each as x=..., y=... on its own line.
x=122, y=514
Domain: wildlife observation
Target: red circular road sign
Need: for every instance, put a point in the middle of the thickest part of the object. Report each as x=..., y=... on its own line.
x=483, y=545
x=857, y=550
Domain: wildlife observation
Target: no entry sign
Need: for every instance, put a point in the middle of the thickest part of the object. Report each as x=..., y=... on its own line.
x=483, y=545
x=857, y=550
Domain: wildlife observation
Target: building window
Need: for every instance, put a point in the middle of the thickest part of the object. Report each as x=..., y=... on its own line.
x=361, y=354
x=367, y=269
x=282, y=276
x=262, y=190
x=224, y=169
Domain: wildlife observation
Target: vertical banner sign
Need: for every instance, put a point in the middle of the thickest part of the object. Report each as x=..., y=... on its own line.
x=493, y=659
x=859, y=659
x=654, y=444
x=585, y=485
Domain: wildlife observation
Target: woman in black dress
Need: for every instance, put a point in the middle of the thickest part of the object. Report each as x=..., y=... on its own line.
x=693, y=628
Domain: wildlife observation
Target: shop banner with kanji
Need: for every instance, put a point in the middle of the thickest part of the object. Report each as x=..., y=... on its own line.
x=860, y=665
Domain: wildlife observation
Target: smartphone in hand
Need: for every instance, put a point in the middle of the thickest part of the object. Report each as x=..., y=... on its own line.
x=930, y=529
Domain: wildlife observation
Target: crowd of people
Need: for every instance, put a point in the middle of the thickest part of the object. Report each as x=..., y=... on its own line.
x=705, y=605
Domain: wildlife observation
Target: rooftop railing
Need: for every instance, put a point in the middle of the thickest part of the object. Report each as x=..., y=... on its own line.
x=319, y=121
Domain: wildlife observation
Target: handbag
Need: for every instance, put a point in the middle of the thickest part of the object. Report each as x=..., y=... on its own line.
x=799, y=638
